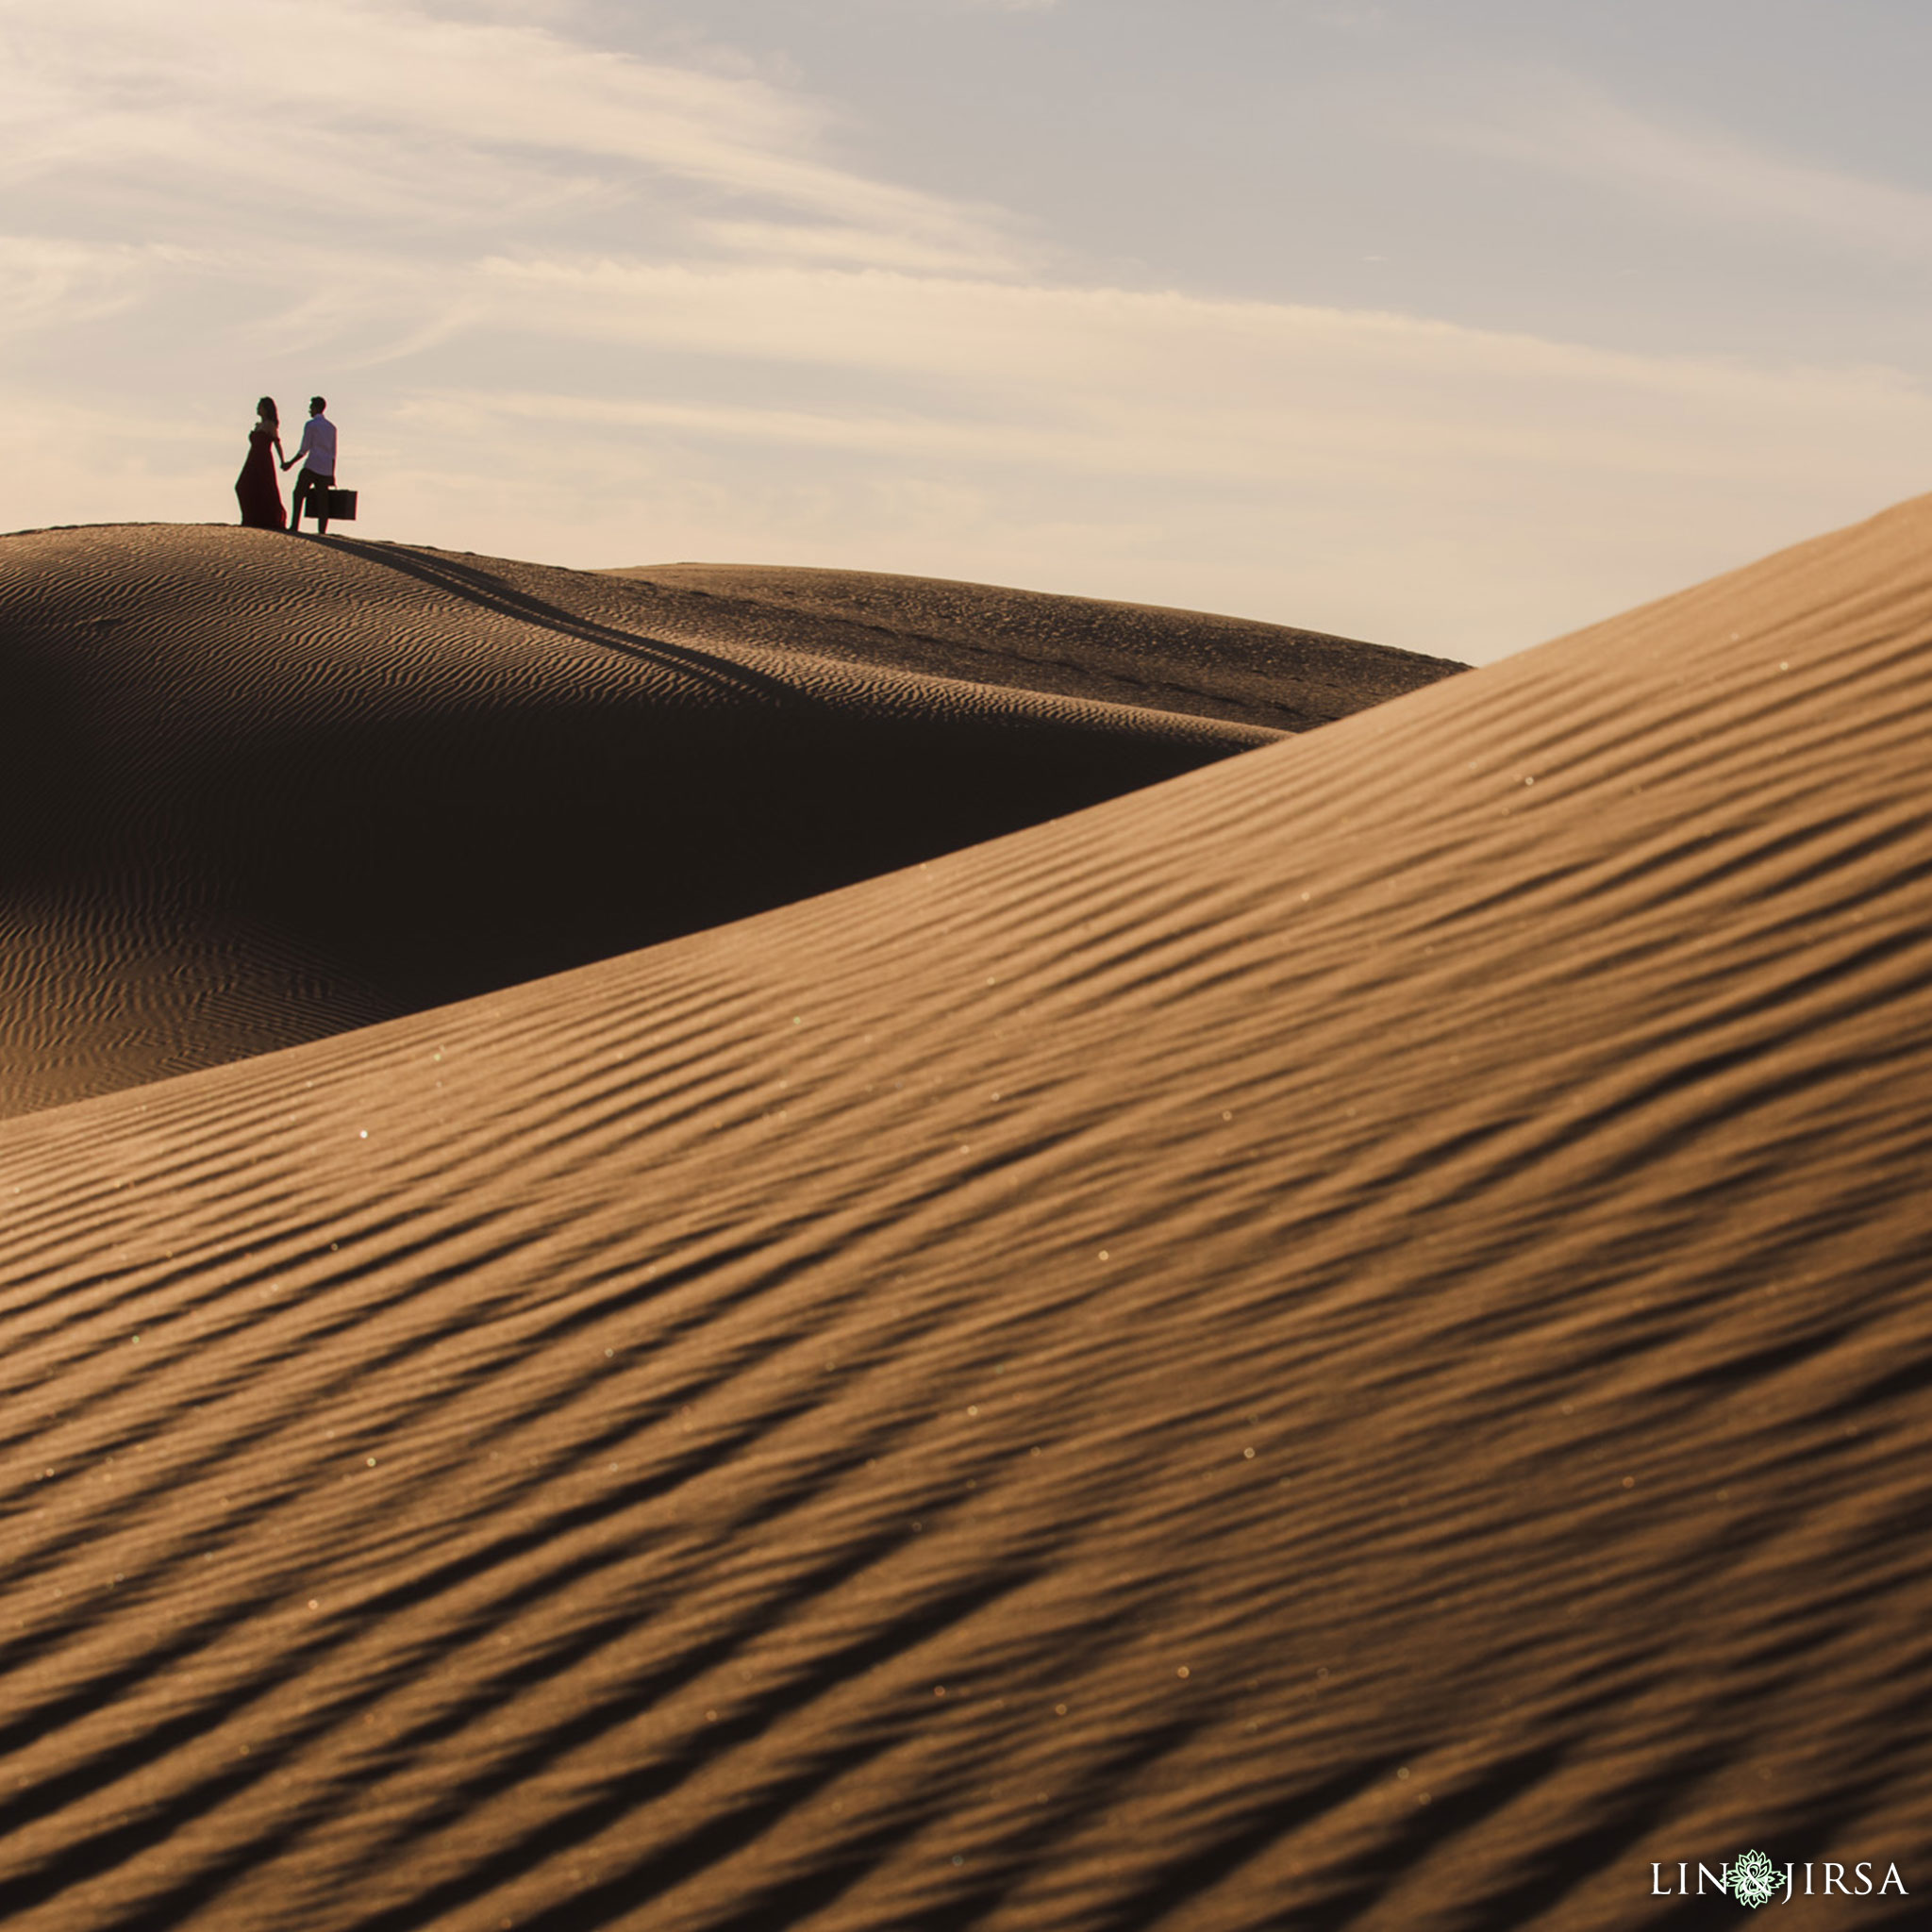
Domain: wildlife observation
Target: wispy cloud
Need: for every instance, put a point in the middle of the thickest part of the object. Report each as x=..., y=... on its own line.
x=1187, y=383
x=49, y=282
x=1559, y=124
x=390, y=114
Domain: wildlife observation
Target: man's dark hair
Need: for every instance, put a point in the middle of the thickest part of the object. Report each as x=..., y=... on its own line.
x=318, y=403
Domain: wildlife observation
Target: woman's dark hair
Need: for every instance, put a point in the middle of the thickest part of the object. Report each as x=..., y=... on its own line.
x=267, y=407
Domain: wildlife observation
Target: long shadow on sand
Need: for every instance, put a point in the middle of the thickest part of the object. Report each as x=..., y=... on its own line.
x=232, y=833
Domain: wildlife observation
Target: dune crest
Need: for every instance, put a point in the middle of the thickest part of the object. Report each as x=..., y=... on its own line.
x=1085, y=647
x=1338, y=1342
x=258, y=791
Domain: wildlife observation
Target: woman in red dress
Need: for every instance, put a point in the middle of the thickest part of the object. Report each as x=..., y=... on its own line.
x=260, y=496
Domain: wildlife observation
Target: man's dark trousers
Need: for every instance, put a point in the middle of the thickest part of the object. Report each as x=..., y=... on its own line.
x=311, y=487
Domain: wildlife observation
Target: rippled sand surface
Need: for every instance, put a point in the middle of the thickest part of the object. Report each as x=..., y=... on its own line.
x=1342, y=1340
x=254, y=790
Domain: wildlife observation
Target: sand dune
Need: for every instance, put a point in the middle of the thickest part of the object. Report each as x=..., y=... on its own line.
x=258, y=792
x=1338, y=1342
x=1131, y=654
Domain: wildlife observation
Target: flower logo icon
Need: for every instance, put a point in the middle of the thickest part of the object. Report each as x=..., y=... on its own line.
x=1755, y=1880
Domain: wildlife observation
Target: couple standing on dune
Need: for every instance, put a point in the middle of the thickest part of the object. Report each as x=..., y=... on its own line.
x=260, y=497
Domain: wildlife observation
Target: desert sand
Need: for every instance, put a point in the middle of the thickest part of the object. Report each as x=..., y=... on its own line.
x=261, y=790
x=1319, y=1330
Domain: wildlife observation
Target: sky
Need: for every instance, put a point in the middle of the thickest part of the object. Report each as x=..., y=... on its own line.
x=1453, y=325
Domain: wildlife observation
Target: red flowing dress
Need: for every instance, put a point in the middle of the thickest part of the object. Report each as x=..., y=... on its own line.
x=260, y=494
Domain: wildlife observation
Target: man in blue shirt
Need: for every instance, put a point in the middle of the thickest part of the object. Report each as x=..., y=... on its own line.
x=316, y=452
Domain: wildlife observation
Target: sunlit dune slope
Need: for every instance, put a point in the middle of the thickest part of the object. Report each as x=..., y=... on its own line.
x=1341, y=1342
x=255, y=790
x=1135, y=654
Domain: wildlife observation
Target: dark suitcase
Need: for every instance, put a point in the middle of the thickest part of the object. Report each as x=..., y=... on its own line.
x=342, y=506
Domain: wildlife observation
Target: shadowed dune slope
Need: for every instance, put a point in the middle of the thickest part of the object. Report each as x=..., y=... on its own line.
x=256, y=791
x=1341, y=1342
x=1136, y=654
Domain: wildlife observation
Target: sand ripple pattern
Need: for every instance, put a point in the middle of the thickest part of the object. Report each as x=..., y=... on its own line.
x=256, y=791
x=1338, y=1342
